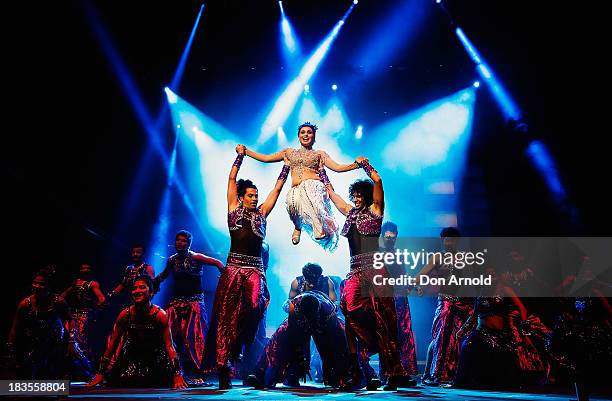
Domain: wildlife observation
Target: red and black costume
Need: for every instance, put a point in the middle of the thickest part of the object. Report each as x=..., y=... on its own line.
x=405, y=335
x=82, y=301
x=129, y=275
x=242, y=294
x=371, y=319
x=450, y=315
x=83, y=297
x=186, y=310
x=38, y=340
x=285, y=348
x=142, y=359
x=502, y=356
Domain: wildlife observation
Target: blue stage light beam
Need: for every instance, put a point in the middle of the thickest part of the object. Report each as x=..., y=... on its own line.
x=335, y=121
x=391, y=34
x=544, y=162
x=127, y=83
x=180, y=69
x=540, y=157
x=508, y=106
x=425, y=138
x=282, y=138
x=285, y=103
x=427, y=144
x=308, y=110
x=289, y=43
x=151, y=128
x=214, y=144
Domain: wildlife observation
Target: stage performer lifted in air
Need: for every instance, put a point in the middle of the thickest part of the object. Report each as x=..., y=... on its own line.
x=307, y=201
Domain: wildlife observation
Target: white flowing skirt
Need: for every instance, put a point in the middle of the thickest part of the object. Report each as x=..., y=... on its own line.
x=309, y=208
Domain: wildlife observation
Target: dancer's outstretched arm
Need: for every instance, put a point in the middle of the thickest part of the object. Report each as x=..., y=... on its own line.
x=340, y=204
x=232, y=189
x=271, y=158
x=118, y=330
x=335, y=166
x=208, y=260
x=270, y=201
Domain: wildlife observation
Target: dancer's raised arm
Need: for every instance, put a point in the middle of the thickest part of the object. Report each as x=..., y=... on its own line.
x=232, y=189
x=271, y=158
x=340, y=203
x=270, y=201
x=378, y=196
x=335, y=166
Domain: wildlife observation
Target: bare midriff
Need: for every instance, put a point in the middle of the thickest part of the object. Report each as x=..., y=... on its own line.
x=307, y=174
x=305, y=164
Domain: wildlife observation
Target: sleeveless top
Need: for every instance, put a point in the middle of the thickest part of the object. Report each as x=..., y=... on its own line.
x=133, y=271
x=145, y=334
x=44, y=326
x=247, y=231
x=81, y=295
x=362, y=229
x=187, y=274
x=299, y=159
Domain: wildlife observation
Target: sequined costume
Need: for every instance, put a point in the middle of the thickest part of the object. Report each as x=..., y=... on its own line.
x=309, y=354
x=253, y=351
x=451, y=313
x=369, y=310
x=285, y=346
x=186, y=310
x=40, y=339
x=132, y=271
x=142, y=360
x=308, y=203
x=242, y=295
x=581, y=341
x=405, y=335
x=488, y=356
x=82, y=302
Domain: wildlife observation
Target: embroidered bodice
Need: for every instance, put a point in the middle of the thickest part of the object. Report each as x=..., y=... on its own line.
x=300, y=159
x=237, y=217
x=367, y=222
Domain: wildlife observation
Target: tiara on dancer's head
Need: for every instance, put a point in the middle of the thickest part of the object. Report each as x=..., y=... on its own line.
x=308, y=124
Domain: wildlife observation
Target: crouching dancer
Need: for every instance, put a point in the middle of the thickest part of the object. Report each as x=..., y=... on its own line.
x=311, y=313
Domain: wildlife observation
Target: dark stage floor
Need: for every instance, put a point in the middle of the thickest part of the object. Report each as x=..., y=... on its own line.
x=314, y=393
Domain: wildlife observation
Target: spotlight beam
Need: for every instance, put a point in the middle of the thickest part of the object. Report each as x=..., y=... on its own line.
x=537, y=151
x=501, y=95
x=180, y=69
x=152, y=129
x=288, y=99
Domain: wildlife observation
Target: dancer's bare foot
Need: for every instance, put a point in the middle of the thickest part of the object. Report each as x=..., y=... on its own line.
x=295, y=238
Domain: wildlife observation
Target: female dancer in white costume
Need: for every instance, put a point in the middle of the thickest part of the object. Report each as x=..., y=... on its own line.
x=308, y=204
